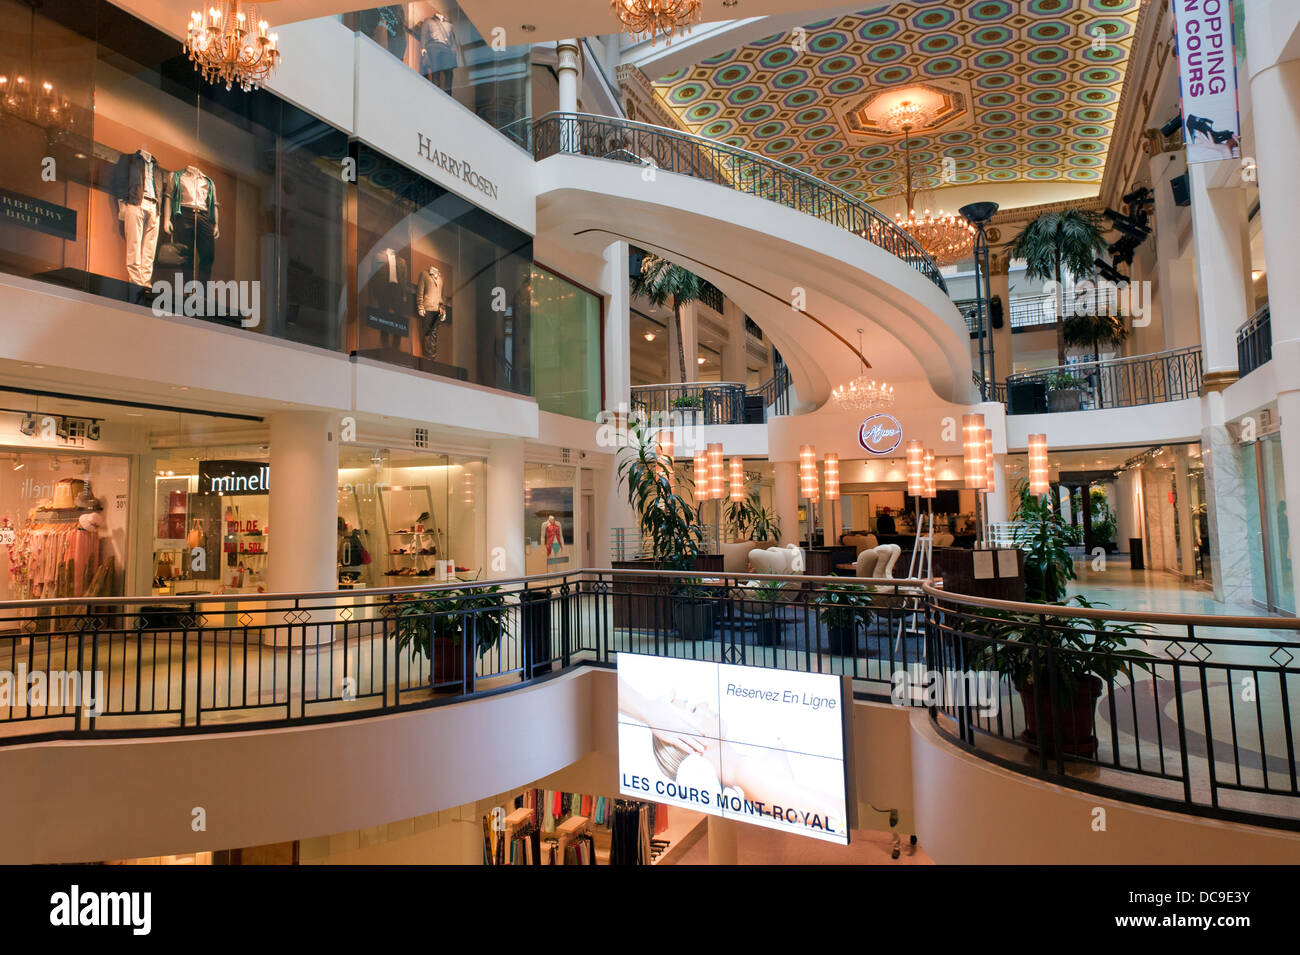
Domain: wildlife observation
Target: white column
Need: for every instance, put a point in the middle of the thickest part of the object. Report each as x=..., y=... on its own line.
x=785, y=494
x=995, y=503
x=723, y=849
x=504, y=483
x=1225, y=494
x=1186, y=534
x=570, y=62
x=618, y=349
x=1175, y=274
x=1274, y=88
x=303, y=510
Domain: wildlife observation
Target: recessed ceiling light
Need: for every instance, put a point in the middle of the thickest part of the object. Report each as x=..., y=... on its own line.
x=528, y=27
x=649, y=336
x=700, y=360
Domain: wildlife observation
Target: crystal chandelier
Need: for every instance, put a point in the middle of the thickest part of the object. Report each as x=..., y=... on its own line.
x=945, y=236
x=35, y=102
x=230, y=45
x=652, y=19
x=863, y=393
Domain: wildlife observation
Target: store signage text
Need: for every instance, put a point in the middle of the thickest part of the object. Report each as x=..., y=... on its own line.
x=1207, y=73
x=225, y=478
x=58, y=221
x=459, y=168
x=880, y=434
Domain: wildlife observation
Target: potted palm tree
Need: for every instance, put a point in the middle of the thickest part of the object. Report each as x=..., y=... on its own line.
x=1051, y=245
x=671, y=526
x=1093, y=331
x=1064, y=392
x=766, y=596
x=688, y=408
x=665, y=283
x=1045, y=539
x=748, y=519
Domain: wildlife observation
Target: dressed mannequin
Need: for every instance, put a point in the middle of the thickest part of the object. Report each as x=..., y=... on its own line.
x=390, y=293
x=439, y=53
x=429, y=303
x=553, y=537
x=190, y=219
x=138, y=186
x=386, y=25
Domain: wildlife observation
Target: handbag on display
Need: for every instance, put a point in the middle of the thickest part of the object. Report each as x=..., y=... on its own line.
x=196, y=537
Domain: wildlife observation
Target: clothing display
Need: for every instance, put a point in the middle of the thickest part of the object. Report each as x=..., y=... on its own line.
x=138, y=187
x=63, y=555
x=386, y=26
x=439, y=52
x=190, y=220
x=631, y=833
x=431, y=307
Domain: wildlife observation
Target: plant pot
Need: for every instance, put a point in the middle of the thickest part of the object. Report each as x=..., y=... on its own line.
x=1076, y=718
x=842, y=639
x=1065, y=399
x=687, y=416
x=767, y=631
x=693, y=619
x=448, y=662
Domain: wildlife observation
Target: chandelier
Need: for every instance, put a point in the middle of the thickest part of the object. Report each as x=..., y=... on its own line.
x=652, y=19
x=35, y=102
x=230, y=45
x=863, y=393
x=945, y=236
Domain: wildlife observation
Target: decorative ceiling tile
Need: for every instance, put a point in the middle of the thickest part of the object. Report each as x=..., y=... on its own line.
x=1035, y=85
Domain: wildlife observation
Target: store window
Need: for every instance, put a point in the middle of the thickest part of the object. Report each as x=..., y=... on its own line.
x=1268, y=524
x=436, y=39
x=126, y=175
x=406, y=517
x=566, y=352
x=442, y=285
x=550, y=514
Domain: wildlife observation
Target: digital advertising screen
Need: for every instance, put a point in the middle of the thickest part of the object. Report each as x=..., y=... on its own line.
x=761, y=746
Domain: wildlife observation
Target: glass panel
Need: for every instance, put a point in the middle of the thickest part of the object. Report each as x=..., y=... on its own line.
x=437, y=40
x=549, y=495
x=566, y=352
x=1254, y=531
x=442, y=285
x=1279, y=530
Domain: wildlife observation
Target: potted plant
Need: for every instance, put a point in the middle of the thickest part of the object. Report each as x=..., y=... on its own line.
x=1059, y=665
x=664, y=282
x=843, y=609
x=432, y=625
x=688, y=408
x=1064, y=392
x=1051, y=245
x=1045, y=538
x=1104, y=521
x=669, y=524
x=749, y=520
x=766, y=596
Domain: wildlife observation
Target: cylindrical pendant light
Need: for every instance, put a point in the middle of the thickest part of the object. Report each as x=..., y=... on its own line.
x=702, y=481
x=1039, y=481
x=988, y=461
x=832, y=465
x=808, y=472
x=915, y=468
x=928, y=472
x=717, y=475
x=972, y=442
x=737, y=479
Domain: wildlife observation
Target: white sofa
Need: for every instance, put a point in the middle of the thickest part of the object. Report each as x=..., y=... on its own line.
x=787, y=560
x=879, y=561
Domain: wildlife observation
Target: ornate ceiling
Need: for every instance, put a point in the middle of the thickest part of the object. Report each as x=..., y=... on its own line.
x=1031, y=89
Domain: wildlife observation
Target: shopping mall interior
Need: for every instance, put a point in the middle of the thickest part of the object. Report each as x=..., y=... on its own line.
x=493, y=433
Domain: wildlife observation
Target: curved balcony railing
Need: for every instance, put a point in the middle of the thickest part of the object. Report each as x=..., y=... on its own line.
x=1255, y=342
x=1116, y=383
x=1158, y=728
x=713, y=402
x=668, y=150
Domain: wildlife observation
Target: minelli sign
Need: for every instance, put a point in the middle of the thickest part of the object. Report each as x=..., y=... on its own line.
x=880, y=434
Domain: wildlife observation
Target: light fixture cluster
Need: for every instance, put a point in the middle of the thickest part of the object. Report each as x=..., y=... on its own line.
x=863, y=393
x=652, y=19
x=808, y=487
x=1039, y=475
x=831, y=465
x=36, y=101
x=229, y=44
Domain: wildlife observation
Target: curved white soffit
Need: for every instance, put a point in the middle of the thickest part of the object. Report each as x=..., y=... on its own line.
x=739, y=240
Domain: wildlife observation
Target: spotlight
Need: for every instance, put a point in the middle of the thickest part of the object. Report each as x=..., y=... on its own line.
x=1175, y=123
x=18, y=463
x=28, y=426
x=92, y=430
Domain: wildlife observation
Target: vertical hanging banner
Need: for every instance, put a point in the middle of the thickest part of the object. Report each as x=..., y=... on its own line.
x=1207, y=79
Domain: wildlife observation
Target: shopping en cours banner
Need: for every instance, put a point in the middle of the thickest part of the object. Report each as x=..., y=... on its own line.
x=1207, y=77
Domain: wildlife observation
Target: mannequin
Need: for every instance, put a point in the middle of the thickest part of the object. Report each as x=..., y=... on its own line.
x=390, y=292
x=386, y=26
x=190, y=219
x=553, y=537
x=138, y=186
x=439, y=55
x=429, y=303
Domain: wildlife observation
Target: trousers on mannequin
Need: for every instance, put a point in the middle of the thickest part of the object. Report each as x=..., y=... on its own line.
x=140, y=224
x=430, y=341
x=192, y=231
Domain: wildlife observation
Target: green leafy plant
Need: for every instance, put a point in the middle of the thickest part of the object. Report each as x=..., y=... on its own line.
x=1057, y=242
x=688, y=401
x=1040, y=650
x=845, y=605
x=1045, y=538
x=665, y=518
x=1105, y=524
x=1094, y=331
x=664, y=283
x=445, y=614
x=749, y=520
x=1062, y=381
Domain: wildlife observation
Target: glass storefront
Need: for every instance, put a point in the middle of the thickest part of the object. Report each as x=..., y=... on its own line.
x=126, y=175
x=1267, y=523
x=436, y=39
x=550, y=513
x=443, y=286
x=566, y=346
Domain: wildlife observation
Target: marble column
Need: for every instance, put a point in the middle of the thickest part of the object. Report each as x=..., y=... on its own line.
x=1225, y=493
x=504, y=507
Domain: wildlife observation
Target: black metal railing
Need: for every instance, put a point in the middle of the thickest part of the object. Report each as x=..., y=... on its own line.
x=1160, y=715
x=995, y=391
x=692, y=402
x=775, y=392
x=1255, y=342
x=711, y=296
x=1113, y=383
x=1166, y=727
x=671, y=151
